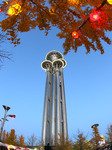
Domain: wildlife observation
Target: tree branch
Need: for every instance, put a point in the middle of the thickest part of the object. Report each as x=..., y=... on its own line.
x=74, y=13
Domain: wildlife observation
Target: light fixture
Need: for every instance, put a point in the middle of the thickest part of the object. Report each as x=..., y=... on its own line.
x=14, y=9
x=109, y=1
x=94, y=16
x=75, y=34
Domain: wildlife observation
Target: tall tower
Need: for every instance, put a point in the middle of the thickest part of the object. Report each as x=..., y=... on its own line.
x=54, y=114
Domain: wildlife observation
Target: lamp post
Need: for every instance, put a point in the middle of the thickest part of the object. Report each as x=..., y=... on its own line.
x=94, y=125
x=6, y=108
x=96, y=137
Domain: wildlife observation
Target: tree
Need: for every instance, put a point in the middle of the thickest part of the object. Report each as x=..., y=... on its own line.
x=39, y=144
x=21, y=141
x=11, y=138
x=63, y=145
x=4, y=136
x=109, y=135
x=31, y=140
x=81, y=142
x=7, y=136
x=96, y=139
x=83, y=22
x=3, y=53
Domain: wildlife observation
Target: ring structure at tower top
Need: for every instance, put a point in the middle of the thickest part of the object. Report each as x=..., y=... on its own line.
x=54, y=55
x=58, y=63
x=46, y=64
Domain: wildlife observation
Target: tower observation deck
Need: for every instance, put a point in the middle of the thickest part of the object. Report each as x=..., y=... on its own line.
x=54, y=112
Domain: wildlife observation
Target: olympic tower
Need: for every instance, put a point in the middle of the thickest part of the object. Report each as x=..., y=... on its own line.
x=54, y=113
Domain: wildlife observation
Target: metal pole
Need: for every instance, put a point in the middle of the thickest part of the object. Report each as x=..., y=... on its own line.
x=2, y=124
x=6, y=108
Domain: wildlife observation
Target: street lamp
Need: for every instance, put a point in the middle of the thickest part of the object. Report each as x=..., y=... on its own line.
x=96, y=137
x=94, y=125
x=6, y=108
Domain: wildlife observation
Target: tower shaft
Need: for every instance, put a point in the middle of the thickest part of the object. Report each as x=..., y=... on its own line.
x=46, y=132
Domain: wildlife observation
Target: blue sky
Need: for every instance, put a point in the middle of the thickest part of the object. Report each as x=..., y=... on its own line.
x=87, y=77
